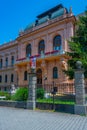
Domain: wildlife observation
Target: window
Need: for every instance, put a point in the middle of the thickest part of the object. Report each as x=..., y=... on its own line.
x=1, y=62
x=57, y=42
x=6, y=61
x=12, y=60
x=6, y=78
x=0, y=78
x=25, y=75
x=12, y=77
x=41, y=47
x=55, y=73
x=28, y=50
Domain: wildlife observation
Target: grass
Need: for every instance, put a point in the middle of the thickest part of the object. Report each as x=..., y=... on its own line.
x=56, y=101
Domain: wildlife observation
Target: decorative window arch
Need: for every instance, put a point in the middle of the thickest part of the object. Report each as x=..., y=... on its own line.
x=28, y=50
x=57, y=42
x=25, y=75
x=41, y=47
x=55, y=73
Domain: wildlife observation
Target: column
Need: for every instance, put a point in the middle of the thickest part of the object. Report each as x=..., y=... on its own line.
x=31, y=103
x=80, y=106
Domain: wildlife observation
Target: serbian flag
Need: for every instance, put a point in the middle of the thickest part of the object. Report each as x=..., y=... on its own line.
x=33, y=63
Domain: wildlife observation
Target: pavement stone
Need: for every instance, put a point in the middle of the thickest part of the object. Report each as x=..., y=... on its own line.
x=23, y=119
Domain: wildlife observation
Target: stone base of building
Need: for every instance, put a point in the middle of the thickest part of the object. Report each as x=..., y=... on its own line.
x=31, y=105
x=81, y=109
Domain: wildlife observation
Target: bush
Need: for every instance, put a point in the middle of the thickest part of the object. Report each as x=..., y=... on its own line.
x=20, y=95
x=6, y=94
x=40, y=93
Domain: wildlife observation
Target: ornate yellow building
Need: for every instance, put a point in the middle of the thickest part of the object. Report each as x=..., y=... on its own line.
x=45, y=40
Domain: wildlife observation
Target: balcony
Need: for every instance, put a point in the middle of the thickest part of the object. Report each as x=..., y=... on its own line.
x=47, y=55
x=6, y=67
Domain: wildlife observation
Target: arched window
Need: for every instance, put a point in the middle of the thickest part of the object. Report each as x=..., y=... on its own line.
x=1, y=63
x=57, y=42
x=28, y=50
x=41, y=47
x=25, y=75
x=0, y=78
x=6, y=61
x=12, y=60
x=6, y=78
x=55, y=73
x=12, y=77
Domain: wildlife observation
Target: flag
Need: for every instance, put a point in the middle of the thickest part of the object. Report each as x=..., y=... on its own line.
x=33, y=63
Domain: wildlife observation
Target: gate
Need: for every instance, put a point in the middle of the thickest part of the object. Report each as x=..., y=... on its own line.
x=51, y=96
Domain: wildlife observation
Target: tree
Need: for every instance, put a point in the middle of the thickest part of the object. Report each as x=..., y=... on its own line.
x=78, y=47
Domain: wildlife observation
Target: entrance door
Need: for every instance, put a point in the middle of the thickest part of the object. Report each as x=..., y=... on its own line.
x=39, y=76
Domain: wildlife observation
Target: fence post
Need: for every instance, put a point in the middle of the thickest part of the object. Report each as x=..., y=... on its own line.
x=31, y=102
x=80, y=106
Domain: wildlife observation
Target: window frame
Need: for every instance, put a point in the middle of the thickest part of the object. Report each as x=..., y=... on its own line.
x=57, y=42
x=41, y=47
x=0, y=78
x=12, y=78
x=28, y=50
x=25, y=75
x=55, y=72
x=6, y=78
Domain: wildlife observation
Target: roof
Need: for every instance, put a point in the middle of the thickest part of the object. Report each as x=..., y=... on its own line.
x=50, y=11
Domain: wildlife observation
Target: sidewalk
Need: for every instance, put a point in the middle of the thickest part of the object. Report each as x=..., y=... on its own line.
x=23, y=119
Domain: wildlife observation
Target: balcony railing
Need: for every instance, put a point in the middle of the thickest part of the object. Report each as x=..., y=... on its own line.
x=40, y=56
x=6, y=67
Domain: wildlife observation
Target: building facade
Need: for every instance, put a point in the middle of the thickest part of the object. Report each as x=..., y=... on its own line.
x=8, y=56
x=44, y=41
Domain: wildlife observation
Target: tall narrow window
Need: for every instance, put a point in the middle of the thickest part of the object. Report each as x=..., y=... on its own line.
x=41, y=47
x=6, y=61
x=1, y=63
x=28, y=50
x=25, y=75
x=0, y=78
x=6, y=78
x=12, y=60
x=55, y=73
x=12, y=77
x=57, y=42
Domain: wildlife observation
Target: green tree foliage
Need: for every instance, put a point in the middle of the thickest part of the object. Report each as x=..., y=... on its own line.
x=21, y=94
x=78, y=46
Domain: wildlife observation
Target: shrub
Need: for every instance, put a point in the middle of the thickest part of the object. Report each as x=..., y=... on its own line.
x=40, y=93
x=6, y=94
x=20, y=95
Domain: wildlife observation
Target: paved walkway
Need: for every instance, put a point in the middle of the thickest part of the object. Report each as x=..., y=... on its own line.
x=22, y=119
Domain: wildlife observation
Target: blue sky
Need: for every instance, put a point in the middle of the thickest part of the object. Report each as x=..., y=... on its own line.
x=17, y=14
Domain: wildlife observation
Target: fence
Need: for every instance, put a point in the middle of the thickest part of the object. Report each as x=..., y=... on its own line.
x=63, y=93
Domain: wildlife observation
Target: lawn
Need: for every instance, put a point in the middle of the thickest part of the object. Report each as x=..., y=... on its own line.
x=56, y=101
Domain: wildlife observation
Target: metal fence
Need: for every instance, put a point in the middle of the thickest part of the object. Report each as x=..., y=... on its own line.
x=63, y=93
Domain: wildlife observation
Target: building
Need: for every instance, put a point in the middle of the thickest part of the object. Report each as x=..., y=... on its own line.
x=46, y=41
x=8, y=56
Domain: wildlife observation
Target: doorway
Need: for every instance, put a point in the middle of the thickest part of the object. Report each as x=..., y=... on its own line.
x=39, y=76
